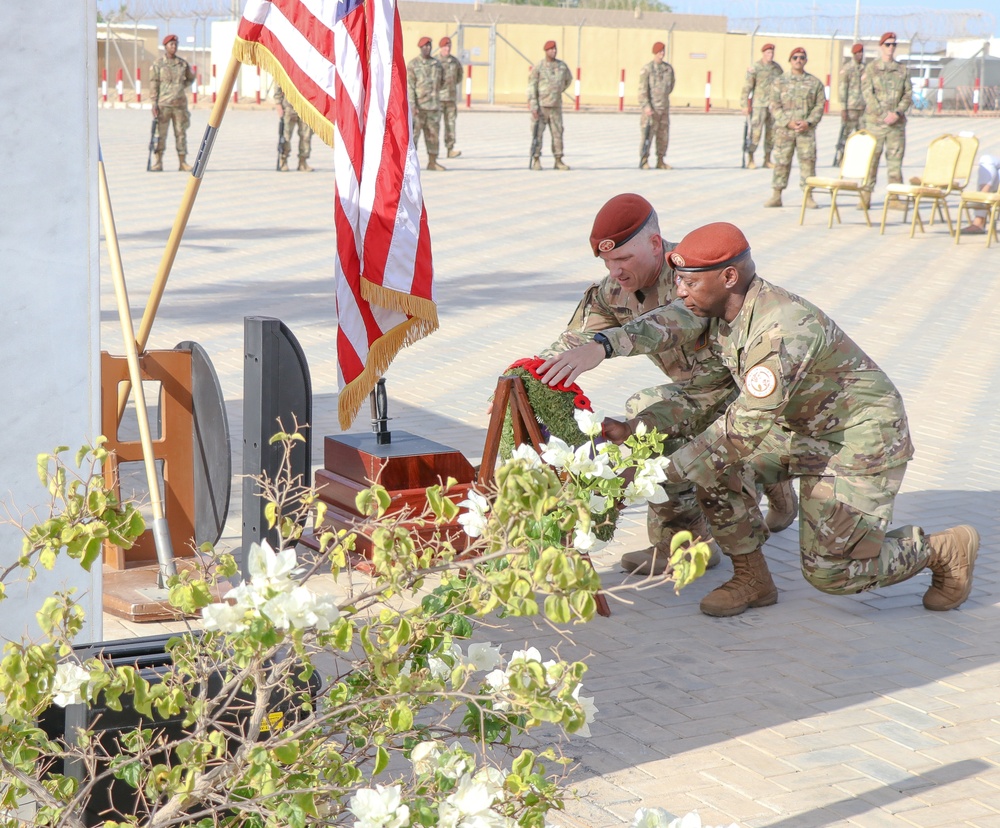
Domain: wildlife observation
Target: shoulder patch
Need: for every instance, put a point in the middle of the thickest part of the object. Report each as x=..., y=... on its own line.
x=761, y=382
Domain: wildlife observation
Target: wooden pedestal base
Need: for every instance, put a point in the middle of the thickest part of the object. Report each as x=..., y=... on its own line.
x=133, y=594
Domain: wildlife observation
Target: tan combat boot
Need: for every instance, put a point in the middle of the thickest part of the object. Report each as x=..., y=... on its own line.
x=536, y=163
x=283, y=165
x=183, y=165
x=864, y=200
x=898, y=204
x=953, y=556
x=157, y=162
x=454, y=153
x=750, y=586
x=559, y=165
x=751, y=164
x=768, y=162
x=432, y=163
x=304, y=166
x=774, y=200
x=644, y=162
x=662, y=165
x=810, y=203
x=782, y=505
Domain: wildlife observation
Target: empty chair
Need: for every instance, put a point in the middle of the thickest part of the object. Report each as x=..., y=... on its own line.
x=937, y=182
x=855, y=172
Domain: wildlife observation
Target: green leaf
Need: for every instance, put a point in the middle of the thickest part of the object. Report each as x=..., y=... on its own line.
x=381, y=760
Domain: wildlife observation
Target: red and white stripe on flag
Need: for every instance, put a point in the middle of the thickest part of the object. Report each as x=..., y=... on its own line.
x=341, y=66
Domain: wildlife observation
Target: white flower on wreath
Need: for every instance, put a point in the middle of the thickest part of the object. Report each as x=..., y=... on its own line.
x=589, y=422
x=474, y=520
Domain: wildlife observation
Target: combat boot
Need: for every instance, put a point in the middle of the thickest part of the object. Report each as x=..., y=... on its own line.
x=304, y=166
x=750, y=586
x=454, y=153
x=768, y=162
x=662, y=165
x=782, y=505
x=183, y=165
x=283, y=163
x=864, y=200
x=432, y=163
x=774, y=200
x=644, y=162
x=536, y=163
x=559, y=165
x=157, y=162
x=751, y=164
x=953, y=556
x=898, y=204
x=810, y=203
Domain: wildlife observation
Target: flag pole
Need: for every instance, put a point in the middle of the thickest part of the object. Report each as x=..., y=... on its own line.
x=183, y=214
x=161, y=535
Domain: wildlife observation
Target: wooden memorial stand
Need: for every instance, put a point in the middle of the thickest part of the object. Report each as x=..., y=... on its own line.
x=511, y=395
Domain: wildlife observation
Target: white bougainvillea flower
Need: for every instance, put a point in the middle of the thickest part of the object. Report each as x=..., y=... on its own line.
x=585, y=464
x=590, y=711
x=640, y=429
x=474, y=521
x=69, y=684
x=531, y=654
x=584, y=541
x=557, y=453
x=528, y=455
x=425, y=756
x=599, y=504
x=589, y=422
x=483, y=656
x=650, y=818
x=225, y=618
x=379, y=807
x=270, y=568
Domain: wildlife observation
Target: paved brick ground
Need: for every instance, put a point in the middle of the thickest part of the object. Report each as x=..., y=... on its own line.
x=819, y=711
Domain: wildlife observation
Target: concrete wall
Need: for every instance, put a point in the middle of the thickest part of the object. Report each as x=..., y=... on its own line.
x=50, y=290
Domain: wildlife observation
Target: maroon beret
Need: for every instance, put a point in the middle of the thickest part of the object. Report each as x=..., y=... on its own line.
x=711, y=247
x=886, y=36
x=767, y=46
x=424, y=41
x=618, y=221
x=168, y=38
x=658, y=47
x=857, y=47
x=444, y=41
x=798, y=50
x=549, y=44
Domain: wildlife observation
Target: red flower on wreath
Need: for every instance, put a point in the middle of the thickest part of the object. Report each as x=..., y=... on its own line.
x=532, y=364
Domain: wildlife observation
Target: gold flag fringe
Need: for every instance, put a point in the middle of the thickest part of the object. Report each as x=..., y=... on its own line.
x=353, y=395
x=396, y=300
x=255, y=54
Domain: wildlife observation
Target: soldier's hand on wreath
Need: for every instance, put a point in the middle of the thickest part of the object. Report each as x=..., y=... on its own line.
x=568, y=365
x=617, y=431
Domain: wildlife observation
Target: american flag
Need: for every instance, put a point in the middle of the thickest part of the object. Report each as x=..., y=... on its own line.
x=341, y=66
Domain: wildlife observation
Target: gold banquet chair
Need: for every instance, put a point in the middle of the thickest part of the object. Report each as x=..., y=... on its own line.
x=986, y=201
x=938, y=182
x=855, y=175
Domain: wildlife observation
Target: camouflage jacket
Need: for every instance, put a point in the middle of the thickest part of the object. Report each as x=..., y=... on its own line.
x=851, y=96
x=678, y=346
x=169, y=79
x=546, y=83
x=758, y=82
x=886, y=88
x=797, y=98
x=425, y=77
x=451, y=85
x=800, y=374
x=656, y=82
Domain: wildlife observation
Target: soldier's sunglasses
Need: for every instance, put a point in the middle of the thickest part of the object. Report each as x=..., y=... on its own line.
x=799, y=57
x=891, y=43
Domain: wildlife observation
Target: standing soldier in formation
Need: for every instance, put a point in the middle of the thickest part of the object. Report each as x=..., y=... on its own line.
x=451, y=93
x=656, y=82
x=425, y=78
x=760, y=76
x=289, y=120
x=170, y=77
x=852, y=101
x=546, y=83
x=888, y=94
x=797, y=101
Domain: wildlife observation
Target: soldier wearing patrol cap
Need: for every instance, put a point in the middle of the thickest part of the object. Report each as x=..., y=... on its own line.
x=811, y=405
x=656, y=82
x=424, y=79
x=626, y=237
x=757, y=88
x=169, y=79
x=451, y=93
x=888, y=95
x=548, y=79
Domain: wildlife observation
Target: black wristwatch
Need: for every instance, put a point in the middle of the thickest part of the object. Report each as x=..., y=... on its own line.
x=603, y=340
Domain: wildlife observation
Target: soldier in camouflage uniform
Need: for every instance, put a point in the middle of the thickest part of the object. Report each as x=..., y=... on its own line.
x=170, y=76
x=546, y=83
x=656, y=82
x=757, y=94
x=796, y=106
x=451, y=93
x=626, y=237
x=289, y=121
x=852, y=101
x=812, y=405
x=425, y=77
x=888, y=95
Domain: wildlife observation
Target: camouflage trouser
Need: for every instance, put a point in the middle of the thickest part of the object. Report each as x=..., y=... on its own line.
x=289, y=122
x=181, y=119
x=551, y=116
x=893, y=140
x=761, y=120
x=787, y=142
x=428, y=120
x=852, y=122
x=659, y=126
x=843, y=542
x=450, y=110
